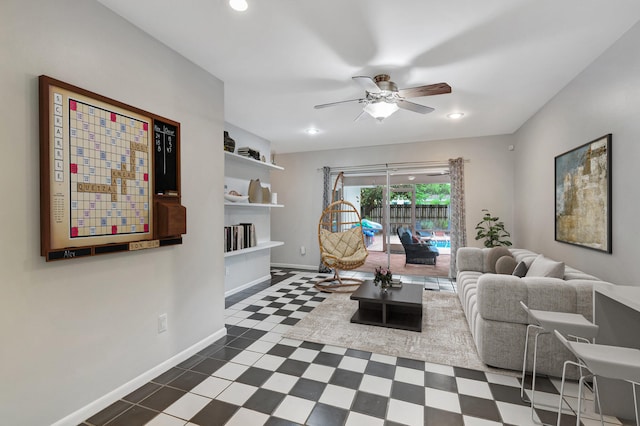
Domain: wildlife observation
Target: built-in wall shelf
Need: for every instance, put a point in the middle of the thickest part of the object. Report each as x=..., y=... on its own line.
x=251, y=205
x=261, y=246
x=248, y=160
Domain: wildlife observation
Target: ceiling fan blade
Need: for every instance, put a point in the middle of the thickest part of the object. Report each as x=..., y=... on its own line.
x=367, y=83
x=362, y=114
x=428, y=90
x=411, y=106
x=337, y=103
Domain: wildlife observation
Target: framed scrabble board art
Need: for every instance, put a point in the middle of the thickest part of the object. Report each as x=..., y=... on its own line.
x=109, y=175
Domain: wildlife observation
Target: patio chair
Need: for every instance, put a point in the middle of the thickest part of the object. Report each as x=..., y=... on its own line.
x=417, y=253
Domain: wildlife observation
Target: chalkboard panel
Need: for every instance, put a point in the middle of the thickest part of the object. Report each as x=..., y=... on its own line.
x=165, y=148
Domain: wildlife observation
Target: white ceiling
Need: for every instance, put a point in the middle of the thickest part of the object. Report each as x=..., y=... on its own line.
x=504, y=59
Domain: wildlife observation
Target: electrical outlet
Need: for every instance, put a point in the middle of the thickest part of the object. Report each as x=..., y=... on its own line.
x=226, y=271
x=303, y=250
x=163, y=324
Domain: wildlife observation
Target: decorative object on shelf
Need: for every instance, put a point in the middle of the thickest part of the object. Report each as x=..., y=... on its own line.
x=274, y=198
x=255, y=191
x=266, y=194
x=583, y=195
x=236, y=197
x=248, y=152
x=264, y=159
x=492, y=230
x=229, y=143
x=383, y=277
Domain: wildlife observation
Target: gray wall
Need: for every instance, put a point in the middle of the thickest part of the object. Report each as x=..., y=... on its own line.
x=604, y=98
x=73, y=331
x=488, y=184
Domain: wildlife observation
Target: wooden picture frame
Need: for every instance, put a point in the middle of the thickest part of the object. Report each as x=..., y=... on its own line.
x=105, y=168
x=583, y=195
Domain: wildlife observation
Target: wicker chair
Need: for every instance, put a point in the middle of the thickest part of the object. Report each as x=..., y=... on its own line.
x=342, y=245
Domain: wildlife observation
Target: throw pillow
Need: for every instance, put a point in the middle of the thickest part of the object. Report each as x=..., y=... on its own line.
x=492, y=257
x=543, y=267
x=505, y=265
x=521, y=269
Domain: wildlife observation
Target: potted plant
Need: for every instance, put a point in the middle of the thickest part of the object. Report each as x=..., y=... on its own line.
x=492, y=230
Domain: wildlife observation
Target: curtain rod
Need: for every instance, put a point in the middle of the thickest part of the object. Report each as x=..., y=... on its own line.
x=386, y=166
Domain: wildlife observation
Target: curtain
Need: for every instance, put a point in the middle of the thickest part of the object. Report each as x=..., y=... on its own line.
x=458, y=212
x=326, y=194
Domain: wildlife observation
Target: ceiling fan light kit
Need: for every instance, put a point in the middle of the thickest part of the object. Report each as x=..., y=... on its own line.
x=239, y=5
x=383, y=98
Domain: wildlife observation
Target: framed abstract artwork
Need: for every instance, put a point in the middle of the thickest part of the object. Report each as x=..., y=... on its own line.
x=583, y=195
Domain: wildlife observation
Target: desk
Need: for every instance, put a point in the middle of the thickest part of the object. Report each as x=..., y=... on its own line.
x=616, y=309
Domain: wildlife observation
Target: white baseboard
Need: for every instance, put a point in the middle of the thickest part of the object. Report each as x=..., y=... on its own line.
x=103, y=402
x=292, y=266
x=247, y=285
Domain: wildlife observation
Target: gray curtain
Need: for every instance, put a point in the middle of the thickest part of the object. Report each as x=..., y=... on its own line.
x=326, y=194
x=458, y=212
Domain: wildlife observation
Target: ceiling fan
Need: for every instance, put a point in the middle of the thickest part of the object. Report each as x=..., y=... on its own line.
x=383, y=98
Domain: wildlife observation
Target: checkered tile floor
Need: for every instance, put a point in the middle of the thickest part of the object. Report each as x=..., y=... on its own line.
x=254, y=376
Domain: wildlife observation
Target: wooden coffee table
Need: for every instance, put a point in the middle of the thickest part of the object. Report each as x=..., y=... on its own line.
x=400, y=308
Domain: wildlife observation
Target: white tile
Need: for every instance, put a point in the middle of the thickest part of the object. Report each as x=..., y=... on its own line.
x=386, y=359
x=439, y=368
x=294, y=409
x=187, y=406
x=334, y=349
x=354, y=364
x=337, y=396
x=259, y=302
x=270, y=362
x=243, y=314
x=261, y=346
x=248, y=323
x=474, y=388
x=409, y=375
x=211, y=387
x=517, y=414
x=290, y=342
x=320, y=373
x=280, y=382
x=475, y=421
x=237, y=393
x=274, y=319
x=502, y=379
x=376, y=385
x=298, y=314
x=443, y=400
x=271, y=337
x=282, y=328
x=304, y=354
x=267, y=310
x=244, y=417
x=265, y=326
x=239, y=306
x=357, y=419
x=405, y=412
x=230, y=371
x=166, y=420
x=232, y=320
x=247, y=357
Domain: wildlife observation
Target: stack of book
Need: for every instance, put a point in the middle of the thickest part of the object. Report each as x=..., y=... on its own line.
x=238, y=237
x=248, y=152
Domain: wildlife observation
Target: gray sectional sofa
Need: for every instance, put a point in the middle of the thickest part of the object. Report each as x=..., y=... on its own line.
x=491, y=303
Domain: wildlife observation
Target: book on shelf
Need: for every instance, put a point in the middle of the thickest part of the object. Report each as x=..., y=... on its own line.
x=240, y=236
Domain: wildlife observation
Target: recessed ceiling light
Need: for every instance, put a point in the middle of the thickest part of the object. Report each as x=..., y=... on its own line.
x=239, y=5
x=312, y=131
x=455, y=115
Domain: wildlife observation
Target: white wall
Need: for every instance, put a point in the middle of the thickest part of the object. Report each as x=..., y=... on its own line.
x=604, y=98
x=488, y=184
x=73, y=331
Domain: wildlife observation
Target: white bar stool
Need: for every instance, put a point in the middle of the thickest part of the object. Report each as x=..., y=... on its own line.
x=545, y=322
x=614, y=362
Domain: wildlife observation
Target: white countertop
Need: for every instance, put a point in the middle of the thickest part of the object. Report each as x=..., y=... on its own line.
x=624, y=294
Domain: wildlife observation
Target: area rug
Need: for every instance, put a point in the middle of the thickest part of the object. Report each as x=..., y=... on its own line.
x=445, y=337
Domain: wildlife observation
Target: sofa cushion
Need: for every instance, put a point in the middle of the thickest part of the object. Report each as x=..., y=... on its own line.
x=520, y=269
x=492, y=257
x=544, y=267
x=505, y=265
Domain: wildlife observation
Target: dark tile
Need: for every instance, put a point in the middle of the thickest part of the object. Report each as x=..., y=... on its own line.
x=254, y=334
x=215, y=413
x=305, y=308
x=346, y=378
x=142, y=392
x=240, y=343
x=371, y=405
x=408, y=392
x=258, y=317
x=135, y=416
x=326, y=358
x=323, y=415
x=168, y=376
x=298, y=302
x=276, y=305
x=293, y=367
x=188, y=380
x=551, y=417
x=237, y=330
x=312, y=345
x=410, y=363
x=290, y=321
x=281, y=350
x=308, y=389
x=109, y=413
x=317, y=299
x=275, y=421
x=190, y=362
x=254, y=376
x=440, y=381
x=283, y=312
x=251, y=308
x=469, y=374
x=506, y=394
x=435, y=416
x=543, y=384
x=390, y=423
x=208, y=366
x=380, y=369
x=264, y=401
x=290, y=296
x=162, y=398
x=358, y=354
x=226, y=353
x=479, y=407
